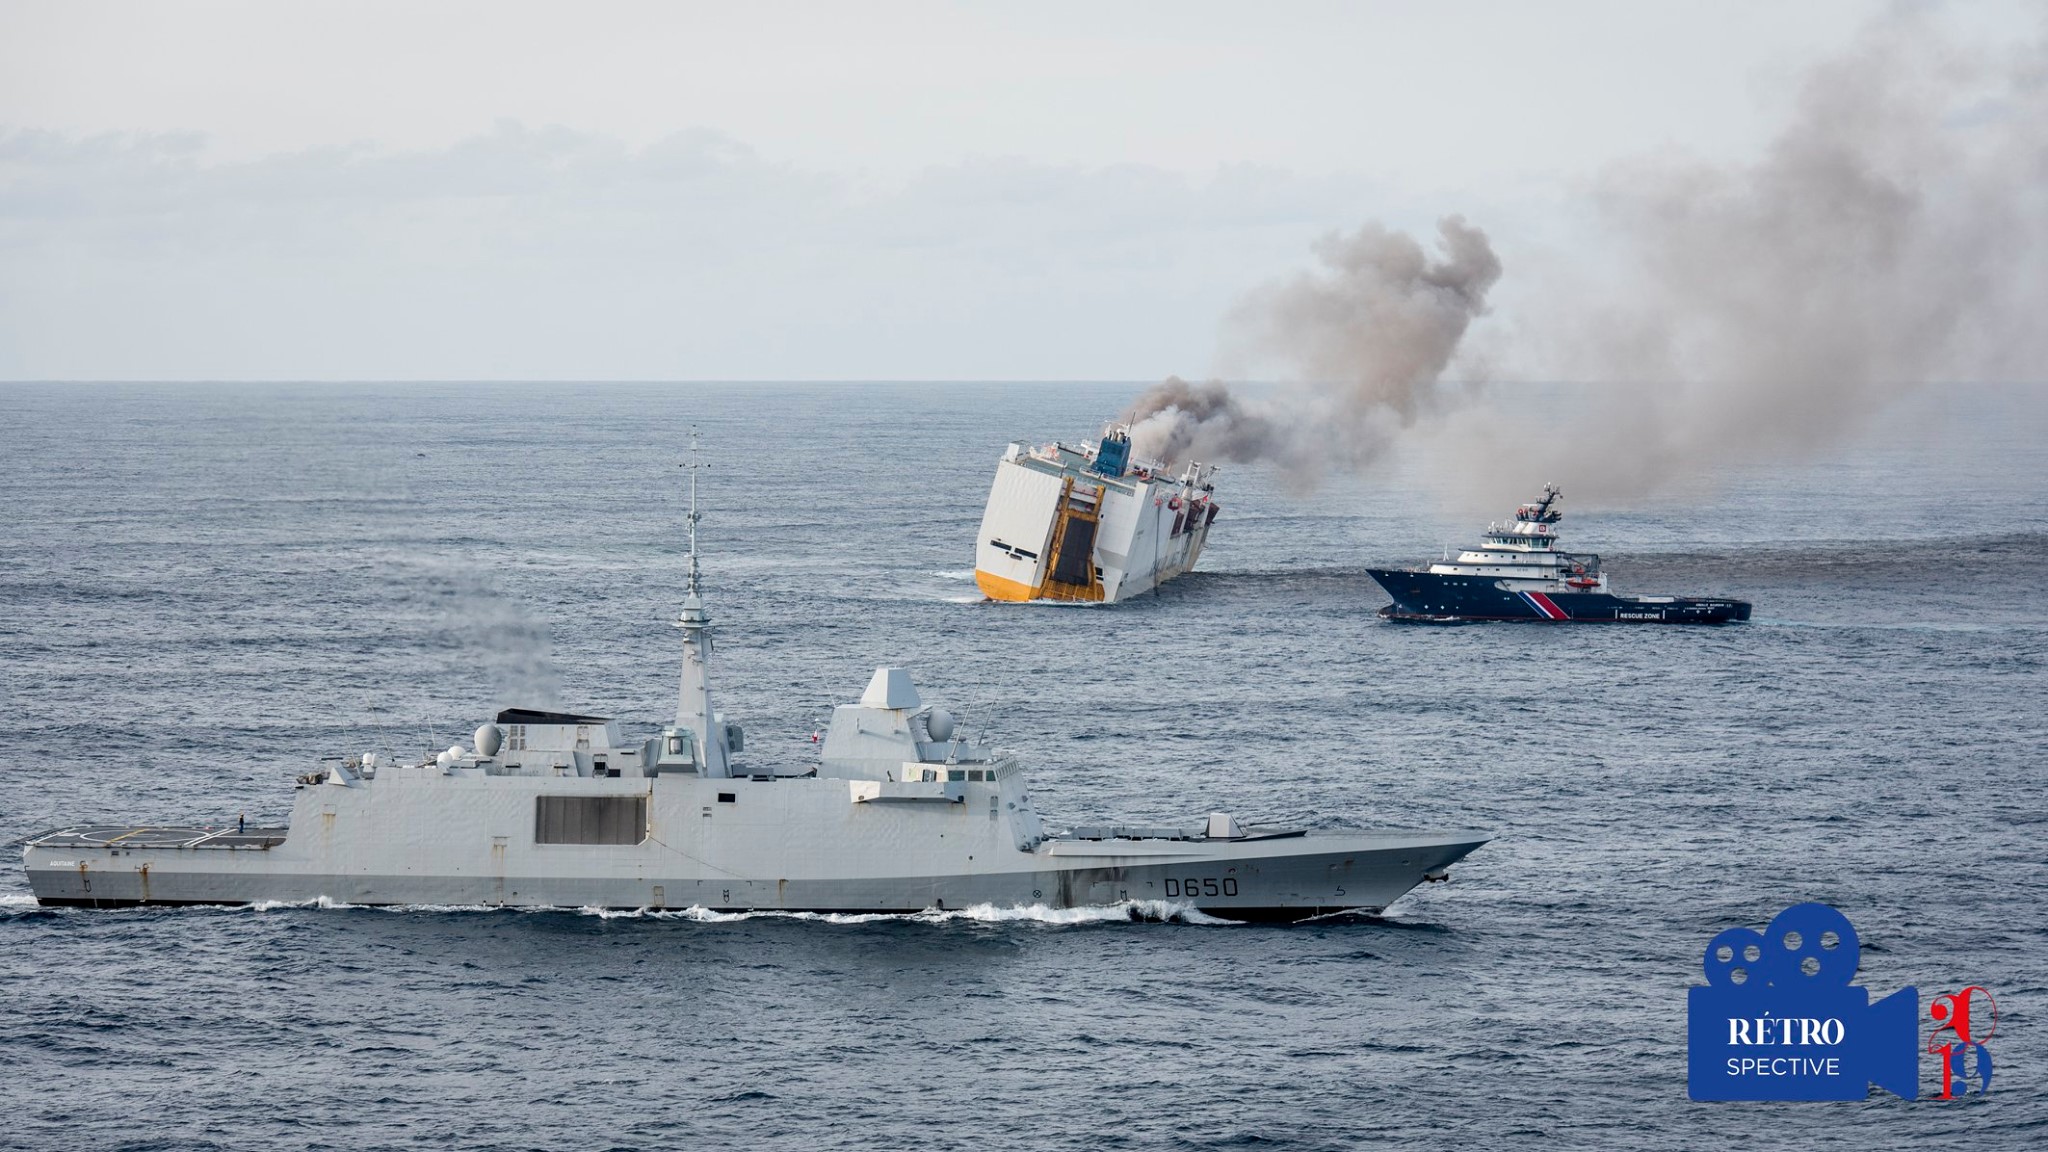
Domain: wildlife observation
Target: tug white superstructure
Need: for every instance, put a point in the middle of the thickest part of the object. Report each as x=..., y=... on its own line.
x=1090, y=523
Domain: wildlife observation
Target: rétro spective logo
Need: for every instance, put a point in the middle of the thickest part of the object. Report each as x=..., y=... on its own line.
x=1780, y=1020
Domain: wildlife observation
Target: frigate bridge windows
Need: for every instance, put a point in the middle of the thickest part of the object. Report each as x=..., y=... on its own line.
x=589, y=819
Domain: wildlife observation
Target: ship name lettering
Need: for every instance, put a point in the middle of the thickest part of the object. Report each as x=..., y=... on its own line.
x=1207, y=886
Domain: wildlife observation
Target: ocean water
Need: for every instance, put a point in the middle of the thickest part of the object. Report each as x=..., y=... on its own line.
x=204, y=589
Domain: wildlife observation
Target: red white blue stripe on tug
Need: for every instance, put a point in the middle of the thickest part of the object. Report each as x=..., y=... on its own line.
x=1544, y=606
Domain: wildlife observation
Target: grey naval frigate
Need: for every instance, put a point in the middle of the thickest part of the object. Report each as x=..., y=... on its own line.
x=902, y=812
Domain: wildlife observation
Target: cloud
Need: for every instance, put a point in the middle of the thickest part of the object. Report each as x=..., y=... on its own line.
x=542, y=251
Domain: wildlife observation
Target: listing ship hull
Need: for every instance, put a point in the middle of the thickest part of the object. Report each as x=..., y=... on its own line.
x=1088, y=524
x=1443, y=598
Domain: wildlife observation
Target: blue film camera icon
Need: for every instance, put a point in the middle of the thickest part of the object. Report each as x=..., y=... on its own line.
x=1780, y=1020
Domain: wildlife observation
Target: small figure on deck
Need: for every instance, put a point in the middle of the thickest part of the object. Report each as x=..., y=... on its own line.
x=241, y=823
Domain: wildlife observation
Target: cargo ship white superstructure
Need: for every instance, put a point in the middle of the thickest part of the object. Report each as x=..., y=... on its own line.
x=1089, y=522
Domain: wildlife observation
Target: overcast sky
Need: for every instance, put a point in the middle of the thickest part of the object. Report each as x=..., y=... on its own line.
x=806, y=191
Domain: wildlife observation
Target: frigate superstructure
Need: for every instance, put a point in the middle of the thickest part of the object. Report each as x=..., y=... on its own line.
x=902, y=812
x=1090, y=522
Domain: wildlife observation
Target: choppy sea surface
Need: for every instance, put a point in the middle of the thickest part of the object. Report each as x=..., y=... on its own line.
x=204, y=589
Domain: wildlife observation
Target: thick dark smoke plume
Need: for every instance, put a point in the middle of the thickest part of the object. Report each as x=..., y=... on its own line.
x=1894, y=234
x=1364, y=340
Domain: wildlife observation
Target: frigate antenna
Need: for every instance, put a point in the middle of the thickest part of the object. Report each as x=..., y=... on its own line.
x=695, y=465
x=693, y=699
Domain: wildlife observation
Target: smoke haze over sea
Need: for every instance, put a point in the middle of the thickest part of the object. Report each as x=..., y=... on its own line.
x=1893, y=234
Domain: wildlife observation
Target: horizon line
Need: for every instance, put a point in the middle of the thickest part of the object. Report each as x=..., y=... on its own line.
x=697, y=380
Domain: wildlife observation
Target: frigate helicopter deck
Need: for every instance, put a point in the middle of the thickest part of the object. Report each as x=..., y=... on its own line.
x=124, y=838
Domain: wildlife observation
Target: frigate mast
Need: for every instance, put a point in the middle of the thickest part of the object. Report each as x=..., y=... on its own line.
x=693, y=701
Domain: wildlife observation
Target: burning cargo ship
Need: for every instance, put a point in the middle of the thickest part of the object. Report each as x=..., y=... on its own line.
x=1090, y=522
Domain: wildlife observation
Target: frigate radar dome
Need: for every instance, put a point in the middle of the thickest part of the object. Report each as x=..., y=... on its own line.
x=488, y=740
x=939, y=723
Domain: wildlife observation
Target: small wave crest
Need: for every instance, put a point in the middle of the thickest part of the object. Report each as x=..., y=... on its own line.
x=1129, y=911
x=1158, y=911
x=330, y=902
x=953, y=574
x=1126, y=912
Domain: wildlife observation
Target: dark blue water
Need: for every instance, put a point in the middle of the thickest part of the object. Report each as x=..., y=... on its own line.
x=204, y=589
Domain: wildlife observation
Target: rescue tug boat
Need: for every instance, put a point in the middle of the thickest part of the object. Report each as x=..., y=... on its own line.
x=1520, y=573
